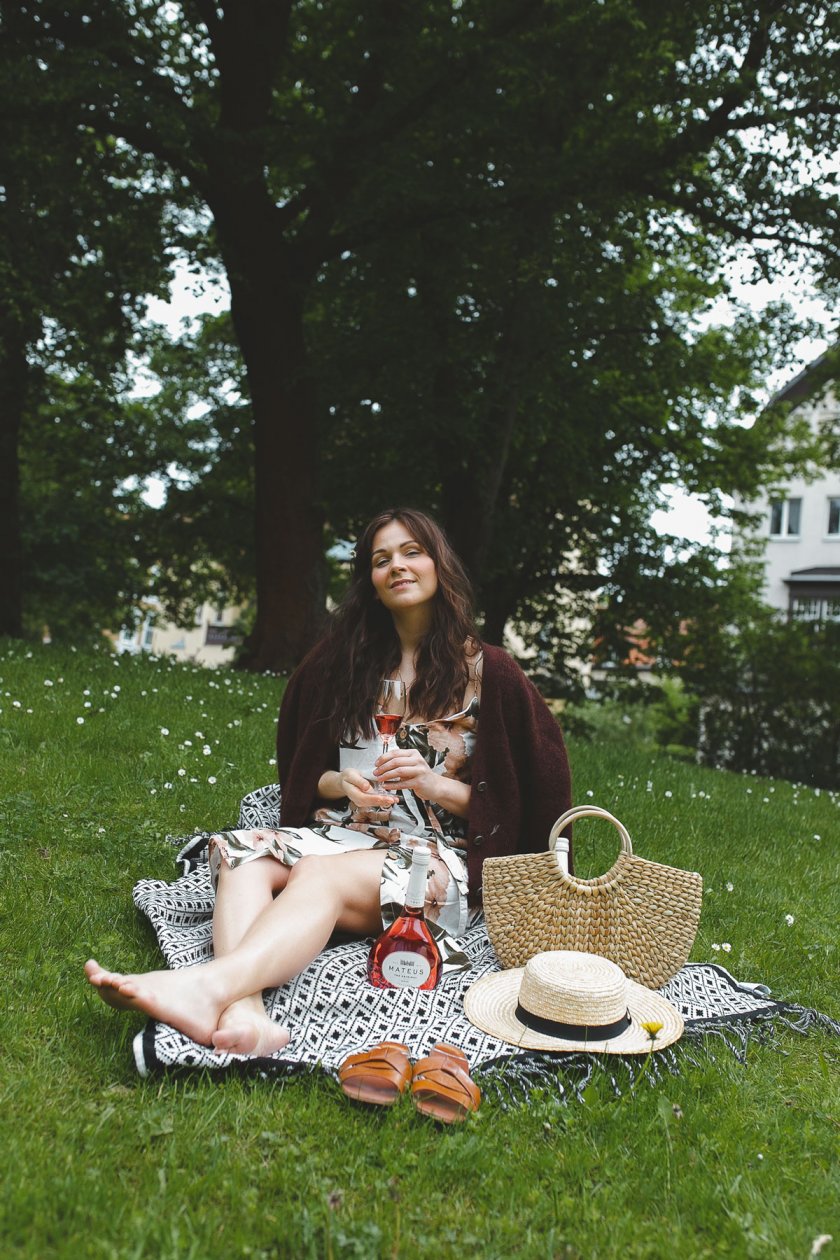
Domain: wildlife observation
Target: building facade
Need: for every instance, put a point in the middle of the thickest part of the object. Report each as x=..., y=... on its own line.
x=211, y=640
x=801, y=524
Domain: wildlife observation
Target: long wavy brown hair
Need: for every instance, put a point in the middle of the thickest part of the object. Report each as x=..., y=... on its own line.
x=362, y=646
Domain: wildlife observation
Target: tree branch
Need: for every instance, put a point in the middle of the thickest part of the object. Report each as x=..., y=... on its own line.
x=340, y=179
x=823, y=109
x=699, y=136
x=89, y=38
x=749, y=232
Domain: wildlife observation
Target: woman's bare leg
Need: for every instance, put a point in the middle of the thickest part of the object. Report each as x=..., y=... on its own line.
x=242, y=894
x=321, y=894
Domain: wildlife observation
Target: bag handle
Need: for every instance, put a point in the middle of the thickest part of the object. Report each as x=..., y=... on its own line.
x=589, y=811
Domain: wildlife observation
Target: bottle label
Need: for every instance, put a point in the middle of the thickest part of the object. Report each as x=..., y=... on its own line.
x=406, y=970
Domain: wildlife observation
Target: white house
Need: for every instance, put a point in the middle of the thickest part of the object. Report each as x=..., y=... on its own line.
x=211, y=640
x=802, y=525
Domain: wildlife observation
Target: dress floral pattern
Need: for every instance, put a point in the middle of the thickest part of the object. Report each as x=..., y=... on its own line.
x=447, y=745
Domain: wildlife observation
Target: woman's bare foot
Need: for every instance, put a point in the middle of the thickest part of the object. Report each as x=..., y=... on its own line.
x=245, y=1028
x=184, y=999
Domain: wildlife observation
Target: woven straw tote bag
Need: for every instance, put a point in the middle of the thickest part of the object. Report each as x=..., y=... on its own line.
x=641, y=915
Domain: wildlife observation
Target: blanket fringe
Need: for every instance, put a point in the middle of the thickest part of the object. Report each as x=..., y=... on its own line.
x=806, y=1019
x=512, y=1080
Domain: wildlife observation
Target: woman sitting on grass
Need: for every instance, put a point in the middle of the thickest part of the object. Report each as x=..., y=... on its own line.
x=478, y=769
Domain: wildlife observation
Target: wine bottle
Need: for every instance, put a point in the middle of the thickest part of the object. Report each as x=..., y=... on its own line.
x=405, y=956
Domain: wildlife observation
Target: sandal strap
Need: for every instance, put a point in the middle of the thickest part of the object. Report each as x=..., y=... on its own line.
x=441, y=1078
x=443, y=1057
x=375, y=1073
x=388, y=1062
x=388, y=1054
x=445, y=1051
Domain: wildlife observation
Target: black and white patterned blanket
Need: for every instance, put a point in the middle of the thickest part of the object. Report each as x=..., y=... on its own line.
x=332, y=1010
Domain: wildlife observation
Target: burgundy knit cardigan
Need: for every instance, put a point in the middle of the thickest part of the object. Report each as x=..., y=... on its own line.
x=521, y=782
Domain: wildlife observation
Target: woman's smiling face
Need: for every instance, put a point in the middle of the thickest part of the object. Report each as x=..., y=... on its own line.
x=402, y=571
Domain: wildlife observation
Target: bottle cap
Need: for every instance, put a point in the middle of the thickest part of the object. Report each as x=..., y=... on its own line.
x=422, y=855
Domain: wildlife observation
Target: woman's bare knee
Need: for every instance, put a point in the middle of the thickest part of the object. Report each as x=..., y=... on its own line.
x=261, y=873
x=350, y=881
x=312, y=867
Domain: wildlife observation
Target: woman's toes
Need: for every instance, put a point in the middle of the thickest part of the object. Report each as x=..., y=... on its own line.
x=98, y=976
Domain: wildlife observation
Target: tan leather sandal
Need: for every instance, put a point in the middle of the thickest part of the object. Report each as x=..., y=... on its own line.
x=379, y=1075
x=442, y=1086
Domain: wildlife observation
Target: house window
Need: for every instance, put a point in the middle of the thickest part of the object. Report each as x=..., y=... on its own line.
x=807, y=609
x=816, y=609
x=785, y=517
x=834, y=517
x=222, y=636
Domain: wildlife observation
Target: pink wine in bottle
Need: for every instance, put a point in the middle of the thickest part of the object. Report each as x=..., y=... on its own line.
x=405, y=956
x=387, y=724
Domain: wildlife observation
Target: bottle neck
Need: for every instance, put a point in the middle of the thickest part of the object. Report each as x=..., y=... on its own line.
x=415, y=897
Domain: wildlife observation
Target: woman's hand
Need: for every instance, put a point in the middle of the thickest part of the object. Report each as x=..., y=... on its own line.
x=406, y=769
x=335, y=784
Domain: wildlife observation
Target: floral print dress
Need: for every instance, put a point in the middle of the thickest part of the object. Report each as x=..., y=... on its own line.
x=447, y=745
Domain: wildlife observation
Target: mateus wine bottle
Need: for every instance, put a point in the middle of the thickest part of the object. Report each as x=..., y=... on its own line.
x=405, y=956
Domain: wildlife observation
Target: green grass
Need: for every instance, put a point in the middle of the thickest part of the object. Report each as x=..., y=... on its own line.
x=724, y=1160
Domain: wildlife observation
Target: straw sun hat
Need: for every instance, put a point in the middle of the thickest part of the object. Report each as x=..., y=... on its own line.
x=564, y=1000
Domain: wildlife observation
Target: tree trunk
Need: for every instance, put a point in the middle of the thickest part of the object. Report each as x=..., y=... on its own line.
x=470, y=503
x=13, y=375
x=498, y=607
x=269, y=279
x=288, y=520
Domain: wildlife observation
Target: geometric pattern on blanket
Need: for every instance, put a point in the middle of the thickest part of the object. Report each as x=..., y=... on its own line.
x=332, y=1011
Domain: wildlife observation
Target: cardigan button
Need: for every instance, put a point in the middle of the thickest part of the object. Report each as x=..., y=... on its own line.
x=481, y=787
x=478, y=839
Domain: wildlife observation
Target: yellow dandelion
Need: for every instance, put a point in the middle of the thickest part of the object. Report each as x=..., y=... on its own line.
x=652, y=1027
